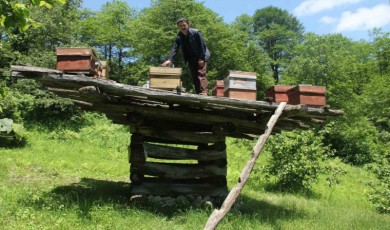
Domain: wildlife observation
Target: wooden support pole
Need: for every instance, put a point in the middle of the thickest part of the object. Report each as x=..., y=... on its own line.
x=217, y=215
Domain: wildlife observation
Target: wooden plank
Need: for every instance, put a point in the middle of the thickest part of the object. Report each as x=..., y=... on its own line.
x=169, y=152
x=245, y=124
x=175, y=135
x=178, y=171
x=217, y=215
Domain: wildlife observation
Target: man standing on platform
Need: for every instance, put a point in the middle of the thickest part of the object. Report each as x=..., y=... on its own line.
x=195, y=53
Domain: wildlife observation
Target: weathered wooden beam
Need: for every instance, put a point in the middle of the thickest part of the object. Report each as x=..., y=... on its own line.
x=178, y=171
x=178, y=135
x=173, y=189
x=169, y=152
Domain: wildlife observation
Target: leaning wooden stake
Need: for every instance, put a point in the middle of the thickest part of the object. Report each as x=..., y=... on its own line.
x=217, y=215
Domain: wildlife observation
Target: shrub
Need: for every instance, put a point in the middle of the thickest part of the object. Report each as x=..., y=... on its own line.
x=26, y=100
x=380, y=189
x=355, y=141
x=296, y=159
x=11, y=134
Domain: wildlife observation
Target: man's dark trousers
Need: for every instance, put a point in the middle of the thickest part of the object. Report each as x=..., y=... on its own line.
x=198, y=72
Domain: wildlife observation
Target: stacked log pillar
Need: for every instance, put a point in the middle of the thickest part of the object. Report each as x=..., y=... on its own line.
x=169, y=162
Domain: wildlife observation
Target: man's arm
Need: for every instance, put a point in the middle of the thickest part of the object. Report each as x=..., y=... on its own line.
x=175, y=48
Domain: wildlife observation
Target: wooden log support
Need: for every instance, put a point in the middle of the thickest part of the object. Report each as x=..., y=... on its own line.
x=175, y=153
x=137, y=156
x=157, y=186
x=176, y=135
x=217, y=215
x=178, y=171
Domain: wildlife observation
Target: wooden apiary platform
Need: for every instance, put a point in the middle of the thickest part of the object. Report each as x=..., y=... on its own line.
x=177, y=140
x=76, y=60
x=165, y=78
x=240, y=85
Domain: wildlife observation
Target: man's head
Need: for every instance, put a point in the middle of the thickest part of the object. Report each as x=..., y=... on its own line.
x=183, y=25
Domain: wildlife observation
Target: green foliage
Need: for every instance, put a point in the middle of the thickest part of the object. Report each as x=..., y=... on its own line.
x=382, y=50
x=277, y=32
x=375, y=101
x=17, y=15
x=25, y=100
x=296, y=159
x=380, y=188
x=333, y=61
x=355, y=140
x=92, y=126
x=11, y=134
x=109, y=31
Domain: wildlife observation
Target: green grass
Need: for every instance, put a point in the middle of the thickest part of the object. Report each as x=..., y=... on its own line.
x=79, y=180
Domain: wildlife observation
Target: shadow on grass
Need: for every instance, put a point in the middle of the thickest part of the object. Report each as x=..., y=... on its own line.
x=89, y=193
x=266, y=212
x=296, y=191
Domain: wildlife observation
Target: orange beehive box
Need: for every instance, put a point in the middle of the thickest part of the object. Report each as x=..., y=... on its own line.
x=217, y=88
x=240, y=94
x=78, y=60
x=308, y=95
x=278, y=93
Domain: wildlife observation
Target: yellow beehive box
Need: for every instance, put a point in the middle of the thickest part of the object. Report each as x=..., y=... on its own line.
x=165, y=77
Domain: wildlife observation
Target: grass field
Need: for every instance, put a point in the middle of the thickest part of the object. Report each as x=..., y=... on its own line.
x=79, y=180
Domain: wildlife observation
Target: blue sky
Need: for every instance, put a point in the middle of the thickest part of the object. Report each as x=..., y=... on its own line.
x=352, y=18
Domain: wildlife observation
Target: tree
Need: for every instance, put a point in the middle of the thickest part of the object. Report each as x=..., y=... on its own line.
x=382, y=50
x=109, y=30
x=277, y=32
x=255, y=58
x=333, y=61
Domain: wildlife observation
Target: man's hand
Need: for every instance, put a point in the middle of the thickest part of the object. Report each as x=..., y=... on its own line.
x=166, y=63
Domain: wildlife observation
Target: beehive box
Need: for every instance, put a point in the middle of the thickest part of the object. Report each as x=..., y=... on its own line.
x=217, y=88
x=240, y=85
x=307, y=94
x=278, y=93
x=240, y=94
x=78, y=60
x=165, y=77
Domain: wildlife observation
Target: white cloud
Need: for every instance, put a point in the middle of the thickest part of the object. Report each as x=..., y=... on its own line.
x=328, y=20
x=308, y=7
x=365, y=18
